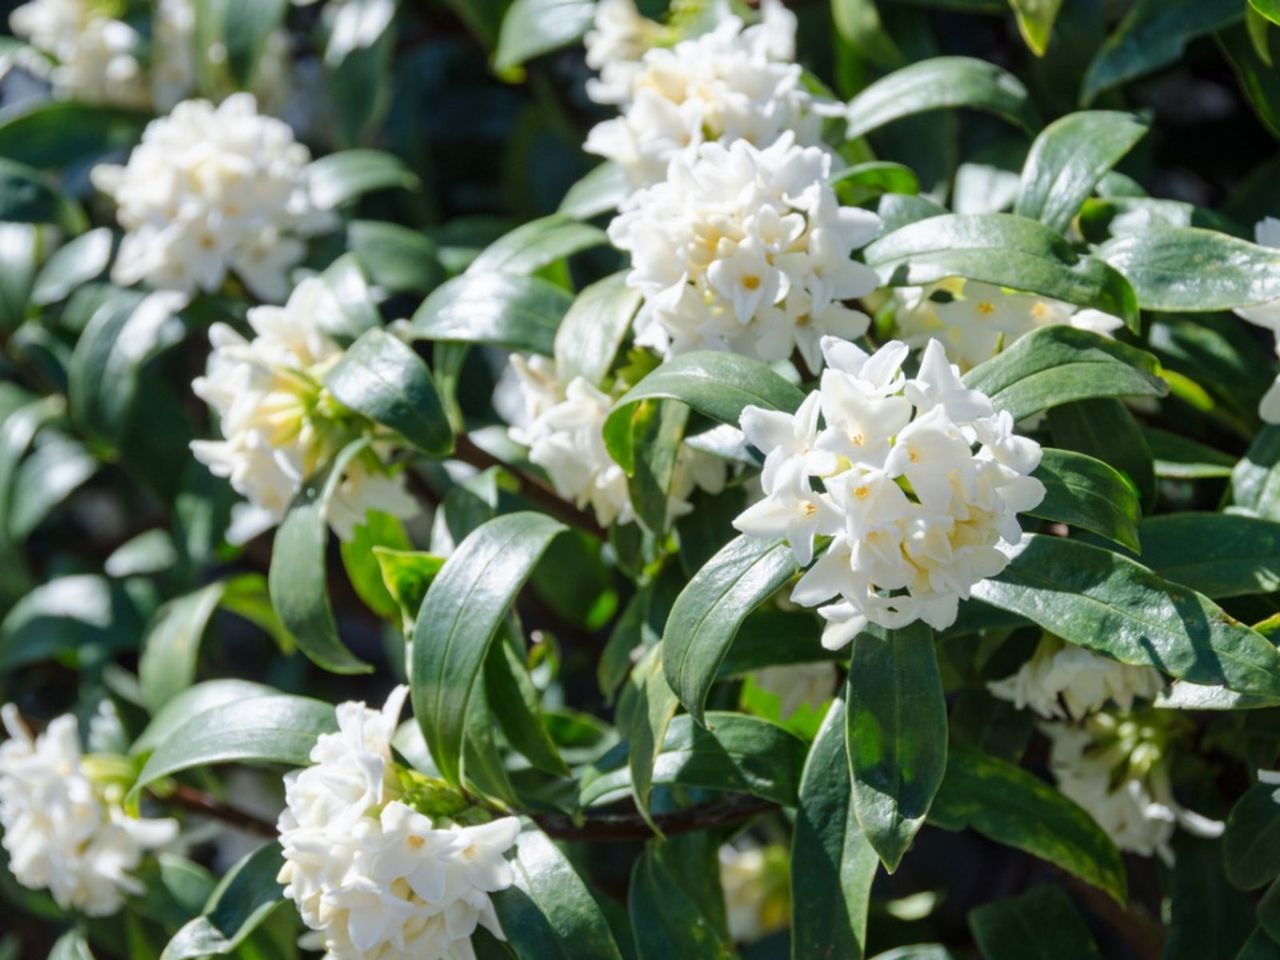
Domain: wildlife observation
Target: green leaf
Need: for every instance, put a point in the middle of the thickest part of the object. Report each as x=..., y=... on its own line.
x=1259, y=946
x=56, y=133
x=1255, y=481
x=716, y=385
x=832, y=863
x=55, y=469
x=298, y=579
x=859, y=183
x=1179, y=458
x=1041, y=923
x=667, y=923
x=537, y=244
x=707, y=614
x=859, y=24
x=73, y=264
x=594, y=328
x=1117, y=607
x=85, y=616
x=379, y=531
x=21, y=246
x=602, y=189
x=1268, y=8
x=1105, y=429
x=1086, y=493
x=1070, y=157
x=407, y=575
x=657, y=430
x=646, y=707
x=549, y=912
x=1035, y=22
x=1011, y=806
x=243, y=28
x=499, y=309
x=247, y=895
x=1002, y=249
x=277, y=728
x=1209, y=919
x=897, y=735
x=396, y=258
x=343, y=176
x=171, y=646
x=381, y=377
x=1217, y=554
x=1060, y=364
x=464, y=606
x=938, y=84
x=27, y=195
x=1251, y=843
x=514, y=702
x=71, y=946
x=534, y=27
x=1190, y=269
x=193, y=700
x=1248, y=49
x=734, y=752
x=1154, y=35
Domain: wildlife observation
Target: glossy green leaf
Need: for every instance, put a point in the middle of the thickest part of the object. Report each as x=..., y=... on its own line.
x=707, y=614
x=938, y=84
x=459, y=616
x=54, y=133
x=1152, y=35
x=1251, y=843
x=646, y=707
x=54, y=470
x=1255, y=481
x=75, y=263
x=407, y=575
x=277, y=728
x=862, y=181
x=193, y=700
x=381, y=377
x=28, y=195
x=897, y=735
x=396, y=258
x=734, y=752
x=1060, y=364
x=1088, y=494
x=832, y=863
x=298, y=578
x=1070, y=157
x=716, y=385
x=1268, y=8
x=1035, y=22
x=1041, y=923
x=594, y=328
x=379, y=531
x=1105, y=429
x=242, y=29
x=537, y=244
x=549, y=912
x=602, y=189
x=245, y=897
x=505, y=310
x=343, y=176
x=1002, y=249
x=1108, y=603
x=666, y=921
x=1210, y=920
x=83, y=616
x=514, y=703
x=1247, y=48
x=1217, y=554
x=1190, y=269
x=172, y=644
x=534, y=27
x=1009, y=805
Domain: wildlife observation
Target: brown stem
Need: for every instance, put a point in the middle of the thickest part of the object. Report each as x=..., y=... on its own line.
x=197, y=801
x=533, y=489
x=619, y=827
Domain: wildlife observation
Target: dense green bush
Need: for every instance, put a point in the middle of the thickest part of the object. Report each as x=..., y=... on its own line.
x=803, y=479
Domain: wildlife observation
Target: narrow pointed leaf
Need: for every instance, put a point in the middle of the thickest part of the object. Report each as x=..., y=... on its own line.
x=247, y=895
x=1086, y=493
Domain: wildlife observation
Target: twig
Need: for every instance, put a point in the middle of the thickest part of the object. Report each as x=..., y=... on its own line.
x=533, y=489
x=618, y=827
x=197, y=801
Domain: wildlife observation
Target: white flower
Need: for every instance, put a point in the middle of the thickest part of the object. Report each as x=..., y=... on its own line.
x=61, y=829
x=745, y=250
x=373, y=876
x=95, y=57
x=562, y=427
x=1136, y=809
x=616, y=43
x=756, y=895
x=975, y=321
x=1065, y=681
x=798, y=685
x=211, y=191
x=1267, y=233
x=921, y=483
x=279, y=425
x=732, y=83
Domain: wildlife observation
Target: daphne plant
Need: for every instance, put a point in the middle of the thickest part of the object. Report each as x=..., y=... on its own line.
x=604, y=481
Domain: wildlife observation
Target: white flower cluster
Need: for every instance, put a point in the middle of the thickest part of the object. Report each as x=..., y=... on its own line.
x=379, y=880
x=562, y=427
x=278, y=422
x=212, y=190
x=1129, y=797
x=746, y=250
x=735, y=82
x=920, y=482
x=975, y=321
x=63, y=831
x=1065, y=681
x=1267, y=233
